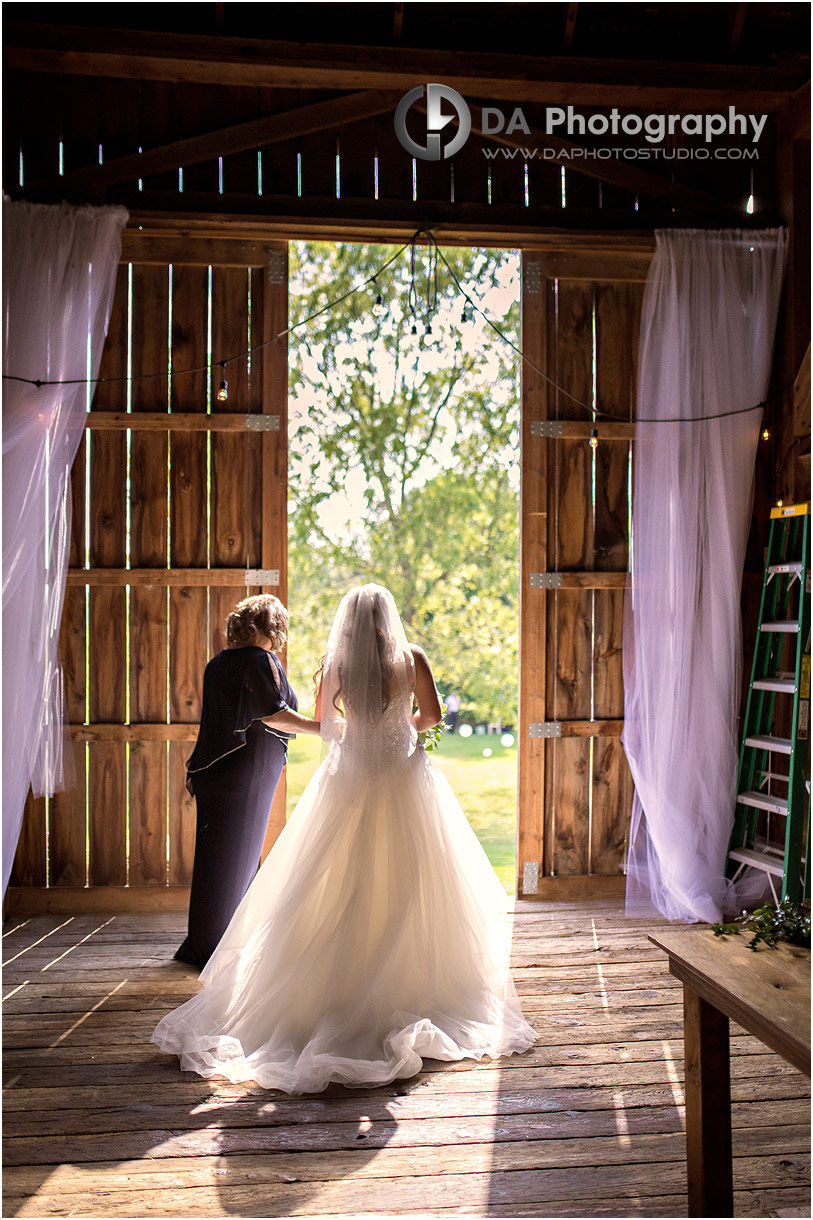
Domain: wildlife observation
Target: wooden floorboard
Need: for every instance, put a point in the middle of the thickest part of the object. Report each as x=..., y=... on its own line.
x=589, y=1122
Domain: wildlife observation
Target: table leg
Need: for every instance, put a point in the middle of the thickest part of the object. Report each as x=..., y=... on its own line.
x=708, y=1107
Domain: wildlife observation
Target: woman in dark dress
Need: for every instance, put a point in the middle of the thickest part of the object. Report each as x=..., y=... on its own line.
x=249, y=712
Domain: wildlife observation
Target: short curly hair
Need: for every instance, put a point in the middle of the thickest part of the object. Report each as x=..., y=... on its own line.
x=255, y=617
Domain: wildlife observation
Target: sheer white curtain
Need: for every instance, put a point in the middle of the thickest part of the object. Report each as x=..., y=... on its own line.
x=707, y=332
x=59, y=275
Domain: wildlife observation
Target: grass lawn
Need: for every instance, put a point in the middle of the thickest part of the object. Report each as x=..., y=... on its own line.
x=485, y=787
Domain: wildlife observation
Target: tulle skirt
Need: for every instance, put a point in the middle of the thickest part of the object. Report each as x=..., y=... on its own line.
x=373, y=936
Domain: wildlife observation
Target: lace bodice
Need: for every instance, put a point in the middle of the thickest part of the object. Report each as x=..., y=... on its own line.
x=384, y=742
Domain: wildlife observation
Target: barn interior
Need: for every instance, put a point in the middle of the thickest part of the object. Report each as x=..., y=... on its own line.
x=227, y=131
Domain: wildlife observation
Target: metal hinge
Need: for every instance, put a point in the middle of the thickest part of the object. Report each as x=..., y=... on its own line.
x=545, y=728
x=262, y=576
x=546, y=580
x=277, y=266
x=533, y=275
x=262, y=423
x=546, y=427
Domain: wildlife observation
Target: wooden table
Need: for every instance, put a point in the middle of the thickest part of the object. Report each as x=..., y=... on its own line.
x=767, y=992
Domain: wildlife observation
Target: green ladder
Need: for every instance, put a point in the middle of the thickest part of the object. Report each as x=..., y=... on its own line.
x=784, y=611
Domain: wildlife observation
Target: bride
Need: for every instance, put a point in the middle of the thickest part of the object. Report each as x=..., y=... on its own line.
x=373, y=935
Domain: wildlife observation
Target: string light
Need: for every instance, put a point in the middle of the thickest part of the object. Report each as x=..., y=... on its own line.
x=431, y=304
x=594, y=438
x=779, y=503
x=766, y=434
x=378, y=307
x=223, y=392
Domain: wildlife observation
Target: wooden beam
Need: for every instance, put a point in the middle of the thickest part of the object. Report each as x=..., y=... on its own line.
x=581, y=580
x=225, y=141
x=146, y=55
x=132, y=732
x=113, y=578
x=576, y=429
x=95, y=899
x=385, y=220
x=570, y=889
x=222, y=250
x=590, y=728
x=637, y=244
x=165, y=421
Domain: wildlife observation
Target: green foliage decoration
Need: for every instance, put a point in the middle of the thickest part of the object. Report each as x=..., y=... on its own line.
x=786, y=921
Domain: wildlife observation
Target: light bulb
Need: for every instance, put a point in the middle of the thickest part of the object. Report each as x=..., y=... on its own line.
x=378, y=308
x=779, y=503
x=223, y=392
x=414, y=328
x=594, y=439
x=766, y=434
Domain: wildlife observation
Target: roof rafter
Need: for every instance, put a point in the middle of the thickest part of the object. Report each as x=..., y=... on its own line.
x=144, y=55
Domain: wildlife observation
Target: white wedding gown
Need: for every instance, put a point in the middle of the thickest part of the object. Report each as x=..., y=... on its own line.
x=374, y=935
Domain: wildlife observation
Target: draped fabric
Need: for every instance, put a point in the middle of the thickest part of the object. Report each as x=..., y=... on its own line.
x=59, y=275
x=707, y=330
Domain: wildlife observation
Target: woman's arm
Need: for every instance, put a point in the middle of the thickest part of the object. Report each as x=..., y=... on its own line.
x=426, y=696
x=291, y=722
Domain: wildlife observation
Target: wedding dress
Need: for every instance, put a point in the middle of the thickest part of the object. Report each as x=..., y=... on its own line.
x=374, y=934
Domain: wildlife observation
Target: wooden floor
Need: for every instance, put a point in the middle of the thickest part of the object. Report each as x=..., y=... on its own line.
x=588, y=1123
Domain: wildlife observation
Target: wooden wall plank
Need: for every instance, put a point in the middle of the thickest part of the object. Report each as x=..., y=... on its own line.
x=41, y=126
x=149, y=615
x=181, y=816
x=618, y=308
x=236, y=524
x=81, y=121
x=394, y=163
x=279, y=159
x=188, y=541
x=570, y=540
x=159, y=118
x=240, y=169
x=107, y=786
x=203, y=112
x=13, y=86
x=67, y=830
x=29, y=866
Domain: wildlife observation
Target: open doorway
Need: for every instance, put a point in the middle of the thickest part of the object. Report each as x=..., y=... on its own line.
x=404, y=468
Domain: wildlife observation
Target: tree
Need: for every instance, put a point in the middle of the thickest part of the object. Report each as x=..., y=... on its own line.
x=403, y=458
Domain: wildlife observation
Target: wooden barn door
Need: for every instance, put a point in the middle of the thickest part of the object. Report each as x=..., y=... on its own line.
x=179, y=510
x=580, y=321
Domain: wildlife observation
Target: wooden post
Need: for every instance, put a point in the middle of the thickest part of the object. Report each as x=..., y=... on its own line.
x=708, y=1107
x=275, y=462
x=532, y=602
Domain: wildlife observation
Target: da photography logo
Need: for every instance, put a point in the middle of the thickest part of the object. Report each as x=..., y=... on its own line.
x=432, y=150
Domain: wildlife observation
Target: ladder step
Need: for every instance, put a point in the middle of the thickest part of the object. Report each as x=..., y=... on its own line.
x=785, y=686
x=761, y=800
x=782, y=625
x=776, y=568
x=767, y=861
x=763, y=741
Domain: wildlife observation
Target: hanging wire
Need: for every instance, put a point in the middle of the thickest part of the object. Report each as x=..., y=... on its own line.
x=436, y=254
x=591, y=411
